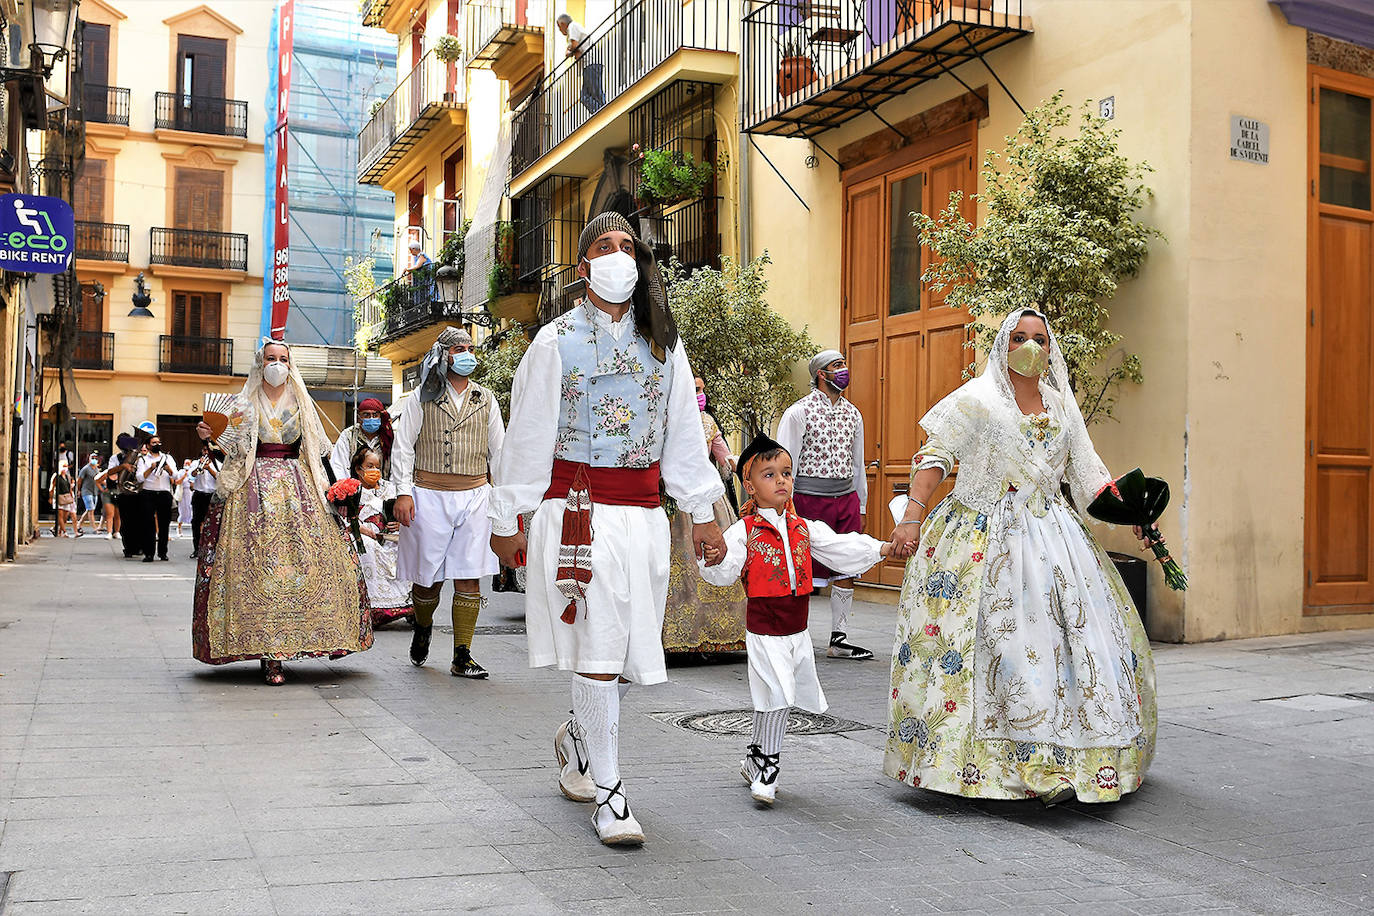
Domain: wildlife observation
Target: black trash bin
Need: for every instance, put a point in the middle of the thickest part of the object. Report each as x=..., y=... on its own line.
x=1132, y=570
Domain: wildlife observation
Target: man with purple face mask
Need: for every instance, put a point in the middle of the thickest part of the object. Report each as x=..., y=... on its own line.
x=825, y=432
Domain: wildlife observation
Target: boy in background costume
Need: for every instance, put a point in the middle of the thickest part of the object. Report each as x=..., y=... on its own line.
x=448, y=433
x=772, y=549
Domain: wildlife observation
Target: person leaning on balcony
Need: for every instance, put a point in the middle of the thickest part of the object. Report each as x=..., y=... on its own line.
x=448, y=434
x=592, y=97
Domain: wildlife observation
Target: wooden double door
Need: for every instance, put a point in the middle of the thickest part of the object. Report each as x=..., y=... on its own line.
x=1339, y=510
x=904, y=345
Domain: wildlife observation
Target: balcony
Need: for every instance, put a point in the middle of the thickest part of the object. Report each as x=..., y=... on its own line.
x=689, y=232
x=430, y=95
x=808, y=67
x=195, y=355
x=505, y=37
x=648, y=44
x=94, y=350
x=199, y=248
x=102, y=241
x=201, y=115
x=400, y=308
x=106, y=105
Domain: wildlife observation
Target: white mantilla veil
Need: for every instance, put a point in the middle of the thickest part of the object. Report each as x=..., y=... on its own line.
x=242, y=434
x=982, y=420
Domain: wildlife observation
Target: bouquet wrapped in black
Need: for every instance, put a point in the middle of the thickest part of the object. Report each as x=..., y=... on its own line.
x=1136, y=500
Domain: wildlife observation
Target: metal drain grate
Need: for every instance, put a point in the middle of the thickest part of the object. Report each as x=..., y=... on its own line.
x=741, y=722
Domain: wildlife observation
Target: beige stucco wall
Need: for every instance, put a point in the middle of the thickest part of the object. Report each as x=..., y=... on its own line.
x=1217, y=312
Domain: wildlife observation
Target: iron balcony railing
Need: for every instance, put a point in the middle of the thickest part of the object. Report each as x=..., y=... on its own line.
x=492, y=26
x=106, y=104
x=201, y=355
x=94, y=350
x=102, y=241
x=400, y=121
x=199, y=248
x=808, y=66
x=201, y=114
x=406, y=304
x=689, y=232
x=617, y=54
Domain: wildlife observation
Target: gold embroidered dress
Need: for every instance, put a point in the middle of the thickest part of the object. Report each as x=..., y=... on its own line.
x=701, y=617
x=277, y=577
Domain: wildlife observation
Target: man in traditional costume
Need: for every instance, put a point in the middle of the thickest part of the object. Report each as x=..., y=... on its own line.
x=448, y=433
x=825, y=434
x=603, y=407
x=372, y=431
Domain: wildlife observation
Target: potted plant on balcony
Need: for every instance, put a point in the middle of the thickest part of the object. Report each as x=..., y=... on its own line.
x=795, y=70
x=670, y=176
x=504, y=298
x=448, y=48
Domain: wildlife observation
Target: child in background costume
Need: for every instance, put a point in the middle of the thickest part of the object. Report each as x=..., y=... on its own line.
x=777, y=576
x=390, y=598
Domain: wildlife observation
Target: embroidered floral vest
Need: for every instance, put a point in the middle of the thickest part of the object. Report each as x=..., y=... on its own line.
x=765, y=564
x=613, y=402
x=827, y=449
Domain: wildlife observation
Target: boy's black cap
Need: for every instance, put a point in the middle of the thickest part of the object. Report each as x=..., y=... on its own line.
x=759, y=446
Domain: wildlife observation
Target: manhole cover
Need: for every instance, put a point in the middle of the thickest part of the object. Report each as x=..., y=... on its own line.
x=500, y=629
x=741, y=722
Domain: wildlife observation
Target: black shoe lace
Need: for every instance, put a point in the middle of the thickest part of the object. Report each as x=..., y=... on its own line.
x=611, y=794
x=765, y=765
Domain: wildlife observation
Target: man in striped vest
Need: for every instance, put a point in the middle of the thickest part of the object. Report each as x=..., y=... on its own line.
x=447, y=435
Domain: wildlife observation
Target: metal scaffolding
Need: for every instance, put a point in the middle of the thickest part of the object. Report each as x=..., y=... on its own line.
x=337, y=68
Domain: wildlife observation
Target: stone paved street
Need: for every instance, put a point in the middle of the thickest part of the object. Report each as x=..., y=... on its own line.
x=135, y=780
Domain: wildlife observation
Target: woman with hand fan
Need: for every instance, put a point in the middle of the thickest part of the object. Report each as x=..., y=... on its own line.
x=1021, y=669
x=278, y=578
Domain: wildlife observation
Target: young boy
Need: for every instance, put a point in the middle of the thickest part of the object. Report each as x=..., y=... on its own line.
x=771, y=548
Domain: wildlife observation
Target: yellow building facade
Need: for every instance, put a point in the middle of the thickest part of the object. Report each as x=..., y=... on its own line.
x=170, y=195
x=827, y=124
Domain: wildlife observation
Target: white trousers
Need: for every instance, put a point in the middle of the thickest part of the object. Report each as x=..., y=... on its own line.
x=782, y=672
x=619, y=628
x=450, y=537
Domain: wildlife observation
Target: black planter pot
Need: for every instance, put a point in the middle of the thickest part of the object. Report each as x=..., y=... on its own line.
x=1132, y=570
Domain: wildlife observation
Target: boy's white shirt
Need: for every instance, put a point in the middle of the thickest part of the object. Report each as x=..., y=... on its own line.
x=846, y=554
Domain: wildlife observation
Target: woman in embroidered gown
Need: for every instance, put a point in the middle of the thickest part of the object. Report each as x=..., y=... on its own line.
x=1020, y=669
x=278, y=578
x=390, y=599
x=700, y=617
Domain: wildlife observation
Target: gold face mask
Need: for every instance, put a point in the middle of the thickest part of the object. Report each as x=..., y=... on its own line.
x=1030, y=359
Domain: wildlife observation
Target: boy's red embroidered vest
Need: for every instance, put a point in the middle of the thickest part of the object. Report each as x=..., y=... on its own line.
x=765, y=564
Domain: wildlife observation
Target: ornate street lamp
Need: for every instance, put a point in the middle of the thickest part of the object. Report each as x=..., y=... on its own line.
x=141, y=299
x=52, y=29
x=448, y=281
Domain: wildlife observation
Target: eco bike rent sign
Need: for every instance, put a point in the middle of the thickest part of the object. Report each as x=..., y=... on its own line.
x=37, y=234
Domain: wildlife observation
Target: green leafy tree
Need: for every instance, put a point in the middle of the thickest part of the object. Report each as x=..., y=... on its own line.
x=742, y=349
x=1060, y=233
x=500, y=357
x=361, y=282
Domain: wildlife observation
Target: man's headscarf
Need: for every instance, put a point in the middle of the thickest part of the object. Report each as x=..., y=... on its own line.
x=820, y=361
x=384, y=434
x=653, y=320
x=434, y=370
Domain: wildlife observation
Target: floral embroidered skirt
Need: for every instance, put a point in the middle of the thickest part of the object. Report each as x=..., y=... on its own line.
x=390, y=597
x=997, y=693
x=277, y=577
x=700, y=617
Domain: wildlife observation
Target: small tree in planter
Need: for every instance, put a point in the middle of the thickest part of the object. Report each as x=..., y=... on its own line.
x=448, y=48
x=742, y=349
x=1059, y=235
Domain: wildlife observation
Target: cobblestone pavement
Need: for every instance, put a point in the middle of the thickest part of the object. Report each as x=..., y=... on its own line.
x=135, y=780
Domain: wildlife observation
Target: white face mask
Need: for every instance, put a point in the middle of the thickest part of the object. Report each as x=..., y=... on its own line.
x=613, y=276
x=275, y=373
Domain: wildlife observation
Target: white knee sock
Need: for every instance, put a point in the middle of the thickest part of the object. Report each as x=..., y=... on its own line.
x=623, y=687
x=841, y=601
x=596, y=707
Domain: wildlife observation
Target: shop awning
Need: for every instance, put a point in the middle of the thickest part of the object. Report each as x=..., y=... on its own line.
x=1348, y=20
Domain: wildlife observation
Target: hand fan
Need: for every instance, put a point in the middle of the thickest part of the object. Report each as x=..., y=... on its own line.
x=215, y=412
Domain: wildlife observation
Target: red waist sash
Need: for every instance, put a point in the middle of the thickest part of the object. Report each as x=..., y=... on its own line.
x=277, y=450
x=609, y=486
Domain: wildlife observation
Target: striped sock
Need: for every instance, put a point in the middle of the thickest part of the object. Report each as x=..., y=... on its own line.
x=769, y=728
x=466, y=607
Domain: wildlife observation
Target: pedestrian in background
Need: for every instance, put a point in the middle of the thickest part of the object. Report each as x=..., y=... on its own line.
x=121, y=483
x=204, y=474
x=63, y=499
x=184, y=497
x=157, y=476
x=88, y=485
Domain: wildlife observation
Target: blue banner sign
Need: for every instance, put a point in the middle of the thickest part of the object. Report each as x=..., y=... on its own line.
x=37, y=234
